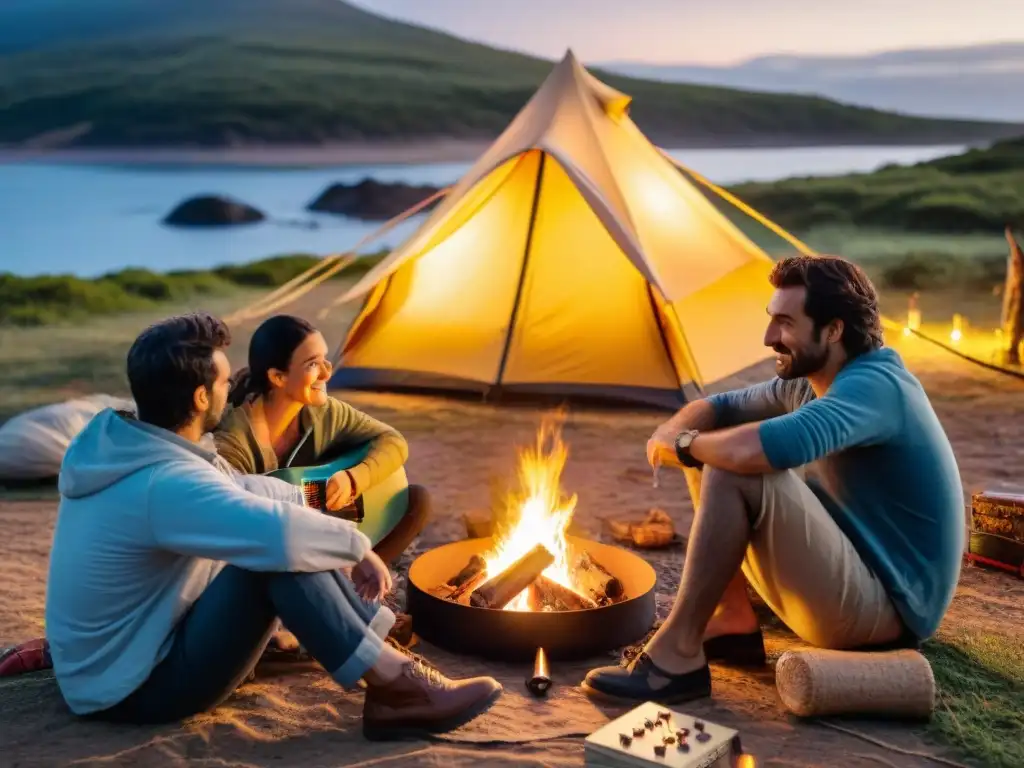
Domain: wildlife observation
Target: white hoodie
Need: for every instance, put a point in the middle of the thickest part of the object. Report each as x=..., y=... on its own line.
x=146, y=521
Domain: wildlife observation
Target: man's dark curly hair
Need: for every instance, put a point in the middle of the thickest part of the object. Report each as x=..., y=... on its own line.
x=169, y=361
x=836, y=290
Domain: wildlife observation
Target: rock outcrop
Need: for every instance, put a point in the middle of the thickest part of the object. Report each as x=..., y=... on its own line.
x=370, y=200
x=212, y=211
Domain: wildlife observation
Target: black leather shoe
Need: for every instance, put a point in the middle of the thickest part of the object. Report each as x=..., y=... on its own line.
x=745, y=650
x=642, y=680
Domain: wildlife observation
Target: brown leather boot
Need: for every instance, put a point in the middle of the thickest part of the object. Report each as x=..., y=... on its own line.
x=421, y=700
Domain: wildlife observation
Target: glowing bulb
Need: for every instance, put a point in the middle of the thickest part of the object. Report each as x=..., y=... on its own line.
x=906, y=331
x=746, y=761
x=958, y=323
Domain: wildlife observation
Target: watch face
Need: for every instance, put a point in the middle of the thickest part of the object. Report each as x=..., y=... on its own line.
x=684, y=439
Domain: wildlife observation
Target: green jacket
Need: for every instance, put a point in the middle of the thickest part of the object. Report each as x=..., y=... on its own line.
x=323, y=429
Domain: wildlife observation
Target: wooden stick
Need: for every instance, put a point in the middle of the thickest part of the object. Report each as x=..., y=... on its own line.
x=499, y=590
x=595, y=580
x=1013, y=302
x=475, y=565
x=548, y=593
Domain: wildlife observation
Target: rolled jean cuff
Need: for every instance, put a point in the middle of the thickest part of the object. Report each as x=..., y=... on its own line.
x=382, y=622
x=360, y=662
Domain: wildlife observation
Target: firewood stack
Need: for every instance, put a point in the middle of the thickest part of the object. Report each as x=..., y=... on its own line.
x=997, y=530
x=474, y=586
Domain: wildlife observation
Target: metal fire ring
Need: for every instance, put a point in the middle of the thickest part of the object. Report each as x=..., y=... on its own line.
x=516, y=635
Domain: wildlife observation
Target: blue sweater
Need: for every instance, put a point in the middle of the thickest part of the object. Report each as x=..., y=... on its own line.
x=879, y=460
x=146, y=521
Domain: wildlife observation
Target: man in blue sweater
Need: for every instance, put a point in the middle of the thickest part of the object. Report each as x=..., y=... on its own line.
x=832, y=489
x=169, y=569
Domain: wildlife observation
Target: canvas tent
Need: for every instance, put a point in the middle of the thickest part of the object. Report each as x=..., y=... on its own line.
x=573, y=258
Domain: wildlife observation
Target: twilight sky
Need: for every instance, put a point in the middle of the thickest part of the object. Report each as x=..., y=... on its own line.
x=712, y=31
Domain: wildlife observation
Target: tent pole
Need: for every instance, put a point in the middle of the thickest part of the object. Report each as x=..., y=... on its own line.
x=522, y=279
x=690, y=361
x=664, y=338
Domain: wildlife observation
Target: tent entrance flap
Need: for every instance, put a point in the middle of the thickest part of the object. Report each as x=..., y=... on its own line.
x=522, y=273
x=584, y=317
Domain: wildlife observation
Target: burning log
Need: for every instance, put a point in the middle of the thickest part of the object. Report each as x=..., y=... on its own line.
x=548, y=594
x=595, y=580
x=476, y=565
x=466, y=580
x=499, y=590
x=462, y=593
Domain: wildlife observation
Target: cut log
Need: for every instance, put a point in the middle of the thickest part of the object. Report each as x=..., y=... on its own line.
x=999, y=512
x=656, y=530
x=595, y=580
x=1000, y=526
x=498, y=591
x=461, y=594
x=547, y=594
x=1008, y=504
x=475, y=565
x=1013, y=302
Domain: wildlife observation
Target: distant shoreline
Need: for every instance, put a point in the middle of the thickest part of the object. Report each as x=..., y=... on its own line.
x=373, y=153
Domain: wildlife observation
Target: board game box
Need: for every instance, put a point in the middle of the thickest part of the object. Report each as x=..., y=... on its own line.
x=654, y=735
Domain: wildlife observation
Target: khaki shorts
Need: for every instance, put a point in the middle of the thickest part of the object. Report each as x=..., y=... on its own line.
x=808, y=572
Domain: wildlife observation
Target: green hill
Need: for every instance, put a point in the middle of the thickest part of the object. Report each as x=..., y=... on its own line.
x=981, y=190
x=218, y=72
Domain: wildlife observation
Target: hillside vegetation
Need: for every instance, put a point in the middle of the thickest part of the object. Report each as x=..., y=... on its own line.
x=30, y=301
x=979, y=191
x=218, y=72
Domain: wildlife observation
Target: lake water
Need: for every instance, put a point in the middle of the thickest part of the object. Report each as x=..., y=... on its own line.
x=88, y=220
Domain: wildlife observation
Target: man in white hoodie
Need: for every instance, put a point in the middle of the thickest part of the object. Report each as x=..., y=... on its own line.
x=169, y=570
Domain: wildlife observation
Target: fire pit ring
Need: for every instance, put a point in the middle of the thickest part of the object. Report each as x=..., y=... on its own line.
x=516, y=635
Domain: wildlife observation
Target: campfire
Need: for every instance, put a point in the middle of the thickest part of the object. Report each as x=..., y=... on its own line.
x=531, y=564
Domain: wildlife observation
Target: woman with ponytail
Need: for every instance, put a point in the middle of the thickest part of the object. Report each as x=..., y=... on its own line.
x=280, y=414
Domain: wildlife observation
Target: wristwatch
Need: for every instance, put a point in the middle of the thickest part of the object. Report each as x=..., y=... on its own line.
x=683, y=441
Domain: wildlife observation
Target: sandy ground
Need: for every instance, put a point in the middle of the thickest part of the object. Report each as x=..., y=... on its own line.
x=295, y=715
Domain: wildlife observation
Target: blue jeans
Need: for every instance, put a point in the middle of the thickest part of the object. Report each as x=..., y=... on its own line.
x=219, y=641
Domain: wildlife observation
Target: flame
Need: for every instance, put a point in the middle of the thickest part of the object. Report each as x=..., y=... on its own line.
x=539, y=513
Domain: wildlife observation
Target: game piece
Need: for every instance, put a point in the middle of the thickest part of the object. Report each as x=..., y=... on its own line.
x=703, y=736
x=625, y=739
x=638, y=732
x=669, y=740
x=649, y=723
x=659, y=750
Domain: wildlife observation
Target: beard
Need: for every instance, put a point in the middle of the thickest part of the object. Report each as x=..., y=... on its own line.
x=797, y=363
x=213, y=416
